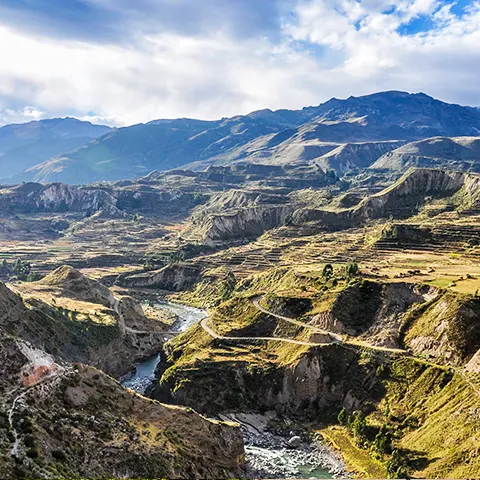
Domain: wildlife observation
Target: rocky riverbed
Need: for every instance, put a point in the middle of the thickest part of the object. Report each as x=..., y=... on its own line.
x=280, y=452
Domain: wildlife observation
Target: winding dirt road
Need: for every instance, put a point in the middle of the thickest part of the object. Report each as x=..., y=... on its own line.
x=214, y=334
x=336, y=338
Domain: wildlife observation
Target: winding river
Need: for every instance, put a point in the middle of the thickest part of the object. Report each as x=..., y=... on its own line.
x=144, y=374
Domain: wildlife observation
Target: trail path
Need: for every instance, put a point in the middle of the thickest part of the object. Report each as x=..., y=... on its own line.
x=338, y=338
x=23, y=392
x=214, y=334
x=115, y=305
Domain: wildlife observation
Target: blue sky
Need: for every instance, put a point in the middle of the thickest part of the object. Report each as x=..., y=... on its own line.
x=122, y=62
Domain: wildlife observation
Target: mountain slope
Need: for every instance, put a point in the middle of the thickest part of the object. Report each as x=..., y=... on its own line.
x=261, y=137
x=25, y=145
x=460, y=153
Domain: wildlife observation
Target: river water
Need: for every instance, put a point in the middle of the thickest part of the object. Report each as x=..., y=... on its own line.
x=144, y=374
x=267, y=453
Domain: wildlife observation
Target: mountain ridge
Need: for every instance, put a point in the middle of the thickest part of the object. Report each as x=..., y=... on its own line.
x=262, y=136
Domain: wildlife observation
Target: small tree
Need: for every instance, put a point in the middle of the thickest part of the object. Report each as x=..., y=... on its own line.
x=342, y=416
x=357, y=424
x=383, y=440
x=352, y=269
x=327, y=271
x=228, y=286
x=397, y=467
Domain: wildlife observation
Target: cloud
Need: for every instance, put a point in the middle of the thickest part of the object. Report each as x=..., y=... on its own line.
x=125, y=22
x=124, y=62
x=25, y=114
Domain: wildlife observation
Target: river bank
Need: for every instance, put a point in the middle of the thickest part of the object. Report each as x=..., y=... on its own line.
x=274, y=451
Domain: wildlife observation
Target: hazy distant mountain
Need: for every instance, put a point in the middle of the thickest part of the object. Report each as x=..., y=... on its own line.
x=25, y=145
x=460, y=153
x=266, y=136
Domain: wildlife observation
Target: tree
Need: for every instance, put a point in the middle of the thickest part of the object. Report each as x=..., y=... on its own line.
x=327, y=271
x=352, y=269
x=357, y=424
x=228, y=286
x=397, y=467
x=342, y=416
x=383, y=440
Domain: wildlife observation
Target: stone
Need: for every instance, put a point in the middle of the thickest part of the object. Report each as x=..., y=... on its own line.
x=294, y=442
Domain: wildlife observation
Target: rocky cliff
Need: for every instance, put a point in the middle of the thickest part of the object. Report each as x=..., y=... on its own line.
x=80, y=320
x=173, y=277
x=56, y=197
x=401, y=200
x=243, y=223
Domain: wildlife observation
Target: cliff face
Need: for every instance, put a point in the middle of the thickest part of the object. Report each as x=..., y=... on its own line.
x=56, y=197
x=400, y=200
x=318, y=382
x=243, y=223
x=446, y=330
x=172, y=277
x=80, y=320
x=411, y=191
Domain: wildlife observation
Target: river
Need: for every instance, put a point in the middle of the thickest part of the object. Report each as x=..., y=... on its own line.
x=267, y=453
x=144, y=374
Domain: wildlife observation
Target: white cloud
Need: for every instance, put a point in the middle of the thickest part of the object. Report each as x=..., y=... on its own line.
x=26, y=114
x=210, y=75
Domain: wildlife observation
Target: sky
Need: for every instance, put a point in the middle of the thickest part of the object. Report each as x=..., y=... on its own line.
x=122, y=62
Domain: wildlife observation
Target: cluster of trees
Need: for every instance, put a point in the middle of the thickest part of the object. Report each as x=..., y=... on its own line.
x=20, y=270
x=227, y=287
x=351, y=270
x=381, y=446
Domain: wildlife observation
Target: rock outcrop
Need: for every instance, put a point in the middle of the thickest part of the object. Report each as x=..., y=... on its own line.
x=173, y=277
x=243, y=223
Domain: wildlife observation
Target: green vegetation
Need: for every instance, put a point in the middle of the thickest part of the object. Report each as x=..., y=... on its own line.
x=19, y=270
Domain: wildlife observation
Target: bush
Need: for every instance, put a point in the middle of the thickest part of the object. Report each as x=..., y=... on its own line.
x=397, y=466
x=383, y=441
x=342, y=416
x=327, y=271
x=59, y=455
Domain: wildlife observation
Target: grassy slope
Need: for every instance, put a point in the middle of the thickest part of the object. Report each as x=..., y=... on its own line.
x=429, y=407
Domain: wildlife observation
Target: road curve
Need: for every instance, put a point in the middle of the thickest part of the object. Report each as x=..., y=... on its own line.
x=213, y=334
x=336, y=336
x=339, y=338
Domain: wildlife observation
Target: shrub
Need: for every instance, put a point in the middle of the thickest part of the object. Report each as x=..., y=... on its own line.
x=383, y=440
x=327, y=271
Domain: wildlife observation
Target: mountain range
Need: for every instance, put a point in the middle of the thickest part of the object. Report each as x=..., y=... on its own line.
x=373, y=131
x=25, y=145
